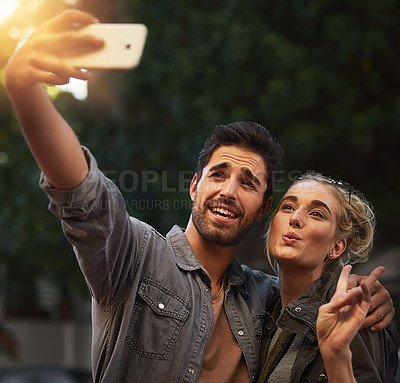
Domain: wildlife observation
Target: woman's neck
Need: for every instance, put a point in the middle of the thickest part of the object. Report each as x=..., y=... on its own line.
x=293, y=283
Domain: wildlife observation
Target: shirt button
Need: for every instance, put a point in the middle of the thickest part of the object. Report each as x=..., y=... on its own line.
x=240, y=332
x=161, y=306
x=204, y=326
x=297, y=309
x=191, y=371
x=322, y=378
x=206, y=289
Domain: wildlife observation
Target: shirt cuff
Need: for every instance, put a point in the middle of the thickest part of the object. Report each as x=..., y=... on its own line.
x=79, y=196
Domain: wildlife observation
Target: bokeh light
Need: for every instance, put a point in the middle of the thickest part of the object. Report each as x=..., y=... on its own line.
x=7, y=9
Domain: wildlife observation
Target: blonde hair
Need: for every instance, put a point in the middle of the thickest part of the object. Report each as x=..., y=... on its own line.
x=355, y=221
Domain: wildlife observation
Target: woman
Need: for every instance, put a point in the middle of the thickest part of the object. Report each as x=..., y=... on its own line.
x=318, y=226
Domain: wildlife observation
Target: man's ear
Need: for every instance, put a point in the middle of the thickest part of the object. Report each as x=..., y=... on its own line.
x=193, y=187
x=338, y=248
x=264, y=209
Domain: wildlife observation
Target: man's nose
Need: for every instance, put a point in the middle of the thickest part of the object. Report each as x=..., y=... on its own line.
x=229, y=189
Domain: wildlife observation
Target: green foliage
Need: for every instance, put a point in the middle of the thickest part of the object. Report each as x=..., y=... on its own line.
x=321, y=75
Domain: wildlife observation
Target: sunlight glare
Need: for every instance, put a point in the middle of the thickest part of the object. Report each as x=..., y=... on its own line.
x=34, y=5
x=7, y=9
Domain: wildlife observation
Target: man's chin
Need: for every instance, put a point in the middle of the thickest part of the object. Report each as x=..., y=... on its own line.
x=223, y=237
x=218, y=232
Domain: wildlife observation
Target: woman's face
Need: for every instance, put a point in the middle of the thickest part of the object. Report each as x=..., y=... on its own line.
x=303, y=229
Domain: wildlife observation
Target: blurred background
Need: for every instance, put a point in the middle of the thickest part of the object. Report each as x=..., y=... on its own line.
x=322, y=75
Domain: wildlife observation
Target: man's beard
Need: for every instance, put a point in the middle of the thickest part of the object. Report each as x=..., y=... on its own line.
x=219, y=232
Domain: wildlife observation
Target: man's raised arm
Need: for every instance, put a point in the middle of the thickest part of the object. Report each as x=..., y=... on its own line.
x=41, y=60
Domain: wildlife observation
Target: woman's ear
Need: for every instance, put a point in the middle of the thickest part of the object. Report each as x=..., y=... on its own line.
x=338, y=248
x=193, y=187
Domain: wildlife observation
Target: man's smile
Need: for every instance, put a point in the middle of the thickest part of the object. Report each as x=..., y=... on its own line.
x=223, y=212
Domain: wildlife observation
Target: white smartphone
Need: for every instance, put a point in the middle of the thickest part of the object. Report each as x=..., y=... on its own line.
x=123, y=46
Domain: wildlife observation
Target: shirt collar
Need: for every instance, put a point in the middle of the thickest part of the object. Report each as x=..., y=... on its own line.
x=187, y=260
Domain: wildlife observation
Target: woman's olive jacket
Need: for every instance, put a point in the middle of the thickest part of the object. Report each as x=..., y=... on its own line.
x=374, y=354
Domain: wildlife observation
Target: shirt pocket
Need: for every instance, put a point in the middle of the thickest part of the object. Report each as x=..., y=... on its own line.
x=157, y=319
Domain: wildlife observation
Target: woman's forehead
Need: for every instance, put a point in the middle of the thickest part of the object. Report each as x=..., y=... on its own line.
x=311, y=190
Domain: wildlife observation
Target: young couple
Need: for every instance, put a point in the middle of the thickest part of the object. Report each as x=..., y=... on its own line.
x=181, y=308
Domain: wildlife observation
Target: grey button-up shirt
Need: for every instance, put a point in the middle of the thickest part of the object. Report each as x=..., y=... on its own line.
x=151, y=310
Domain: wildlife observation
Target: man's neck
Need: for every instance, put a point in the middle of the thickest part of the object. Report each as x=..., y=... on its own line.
x=213, y=257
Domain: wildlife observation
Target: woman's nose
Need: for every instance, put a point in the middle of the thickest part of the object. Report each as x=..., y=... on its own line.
x=296, y=220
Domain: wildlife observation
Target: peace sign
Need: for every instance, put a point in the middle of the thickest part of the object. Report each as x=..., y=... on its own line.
x=340, y=319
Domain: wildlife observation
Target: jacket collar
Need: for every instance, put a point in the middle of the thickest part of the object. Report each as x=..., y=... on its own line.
x=301, y=315
x=187, y=260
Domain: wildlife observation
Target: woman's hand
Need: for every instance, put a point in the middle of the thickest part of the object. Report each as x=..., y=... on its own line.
x=42, y=58
x=339, y=320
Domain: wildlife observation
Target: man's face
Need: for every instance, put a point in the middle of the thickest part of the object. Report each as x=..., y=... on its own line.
x=228, y=198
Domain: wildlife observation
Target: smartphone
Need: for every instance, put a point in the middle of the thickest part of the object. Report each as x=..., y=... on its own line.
x=123, y=46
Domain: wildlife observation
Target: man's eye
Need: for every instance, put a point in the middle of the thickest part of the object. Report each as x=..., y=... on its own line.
x=248, y=183
x=217, y=175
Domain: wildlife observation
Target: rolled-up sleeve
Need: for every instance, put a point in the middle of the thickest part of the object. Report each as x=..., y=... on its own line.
x=75, y=202
x=95, y=221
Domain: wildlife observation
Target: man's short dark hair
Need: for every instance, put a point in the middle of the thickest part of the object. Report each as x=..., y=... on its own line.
x=246, y=135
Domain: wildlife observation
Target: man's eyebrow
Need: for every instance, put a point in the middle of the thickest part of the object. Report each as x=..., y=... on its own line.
x=247, y=172
x=223, y=165
x=250, y=175
x=315, y=202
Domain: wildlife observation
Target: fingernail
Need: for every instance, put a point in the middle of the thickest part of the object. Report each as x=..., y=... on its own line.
x=99, y=41
x=373, y=329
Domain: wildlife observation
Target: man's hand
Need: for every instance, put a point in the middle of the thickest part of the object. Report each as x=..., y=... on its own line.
x=381, y=309
x=42, y=58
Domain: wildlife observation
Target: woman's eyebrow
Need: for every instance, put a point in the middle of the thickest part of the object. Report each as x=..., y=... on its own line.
x=289, y=197
x=315, y=202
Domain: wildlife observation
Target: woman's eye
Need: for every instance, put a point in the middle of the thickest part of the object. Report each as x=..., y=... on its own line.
x=287, y=207
x=318, y=214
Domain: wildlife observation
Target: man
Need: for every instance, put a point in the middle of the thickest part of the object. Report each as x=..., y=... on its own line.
x=174, y=309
